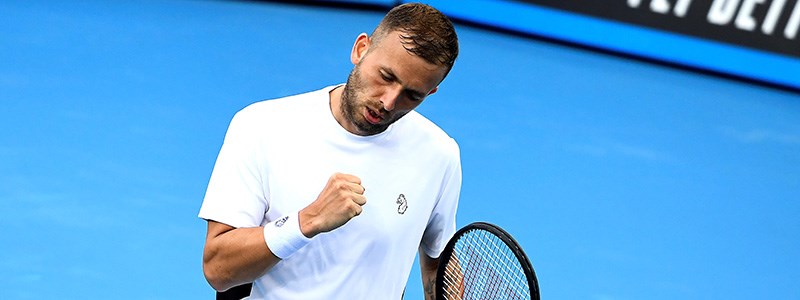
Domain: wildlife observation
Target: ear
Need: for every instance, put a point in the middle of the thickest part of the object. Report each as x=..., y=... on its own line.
x=433, y=90
x=360, y=48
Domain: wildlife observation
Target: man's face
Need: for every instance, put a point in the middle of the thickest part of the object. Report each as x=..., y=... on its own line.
x=386, y=83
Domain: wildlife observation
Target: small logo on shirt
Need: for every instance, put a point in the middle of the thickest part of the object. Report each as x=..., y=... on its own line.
x=281, y=221
x=402, y=204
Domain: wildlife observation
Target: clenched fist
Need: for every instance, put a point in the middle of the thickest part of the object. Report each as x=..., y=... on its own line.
x=339, y=201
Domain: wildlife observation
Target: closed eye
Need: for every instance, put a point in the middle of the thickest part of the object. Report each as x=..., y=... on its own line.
x=386, y=76
x=414, y=96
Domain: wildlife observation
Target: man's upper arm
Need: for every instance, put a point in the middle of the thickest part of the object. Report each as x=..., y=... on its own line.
x=216, y=229
x=236, y=194
x=442, y=223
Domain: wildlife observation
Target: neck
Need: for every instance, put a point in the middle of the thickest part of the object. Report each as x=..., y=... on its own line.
x=335, y=104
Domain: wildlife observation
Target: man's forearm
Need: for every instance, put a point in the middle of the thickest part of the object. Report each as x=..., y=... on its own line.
x=428, y=267
x=235, y=256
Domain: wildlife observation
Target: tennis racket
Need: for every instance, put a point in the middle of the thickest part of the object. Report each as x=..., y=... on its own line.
x=482, y=261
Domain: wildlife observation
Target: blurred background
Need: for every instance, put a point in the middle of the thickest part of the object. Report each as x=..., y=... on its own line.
x=636, y=150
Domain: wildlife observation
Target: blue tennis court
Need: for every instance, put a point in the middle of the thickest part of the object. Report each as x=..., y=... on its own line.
x=621, y=179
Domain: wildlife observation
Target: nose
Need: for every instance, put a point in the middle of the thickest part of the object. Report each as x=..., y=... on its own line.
x=390, y=97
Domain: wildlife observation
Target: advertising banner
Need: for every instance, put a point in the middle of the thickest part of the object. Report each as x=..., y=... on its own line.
x=768, y=25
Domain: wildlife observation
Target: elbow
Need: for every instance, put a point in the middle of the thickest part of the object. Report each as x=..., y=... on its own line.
x=217, y=278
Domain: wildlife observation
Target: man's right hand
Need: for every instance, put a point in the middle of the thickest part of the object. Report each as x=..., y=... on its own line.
x=341, y=200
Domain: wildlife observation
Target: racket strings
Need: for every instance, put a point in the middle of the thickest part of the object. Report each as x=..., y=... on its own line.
x=483, y=267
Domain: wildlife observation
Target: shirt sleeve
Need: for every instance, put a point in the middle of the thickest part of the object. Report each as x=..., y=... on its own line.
x=236, y=195
x=442, y=223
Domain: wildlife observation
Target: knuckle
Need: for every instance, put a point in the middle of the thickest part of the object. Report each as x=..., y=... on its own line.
x=336, y=177
x=340, y=185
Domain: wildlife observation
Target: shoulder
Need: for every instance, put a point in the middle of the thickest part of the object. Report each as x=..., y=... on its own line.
x=281, y=110
x=416, y=127
x=277, y=106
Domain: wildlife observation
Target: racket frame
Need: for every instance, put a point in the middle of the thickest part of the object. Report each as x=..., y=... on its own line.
x=511, y=243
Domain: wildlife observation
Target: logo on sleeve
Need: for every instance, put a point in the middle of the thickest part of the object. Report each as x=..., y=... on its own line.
x=402, y=204
x=281, y=221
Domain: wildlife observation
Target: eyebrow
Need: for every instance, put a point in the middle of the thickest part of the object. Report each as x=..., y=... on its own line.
x=391, y=74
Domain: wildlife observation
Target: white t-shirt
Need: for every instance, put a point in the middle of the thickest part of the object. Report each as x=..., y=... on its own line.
x=278, y=155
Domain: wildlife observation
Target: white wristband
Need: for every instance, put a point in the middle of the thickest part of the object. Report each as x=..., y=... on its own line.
x=283, y=236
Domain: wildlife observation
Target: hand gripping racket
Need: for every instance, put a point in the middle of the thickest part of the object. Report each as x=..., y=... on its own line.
x=482, y=261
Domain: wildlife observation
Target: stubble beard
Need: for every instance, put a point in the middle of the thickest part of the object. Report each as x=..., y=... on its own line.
x=352, y=111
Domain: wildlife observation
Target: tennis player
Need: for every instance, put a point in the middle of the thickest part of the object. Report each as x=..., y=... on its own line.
x=330, y=194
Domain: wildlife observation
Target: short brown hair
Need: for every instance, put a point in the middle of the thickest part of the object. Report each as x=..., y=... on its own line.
x=424, y=32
